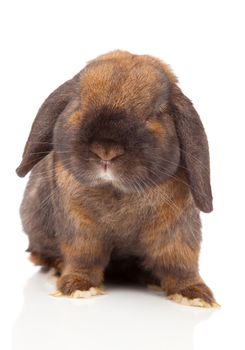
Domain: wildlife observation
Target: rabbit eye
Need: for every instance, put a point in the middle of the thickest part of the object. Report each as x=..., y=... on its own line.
x=154, y=126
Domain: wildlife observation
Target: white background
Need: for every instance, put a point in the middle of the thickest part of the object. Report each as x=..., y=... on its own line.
x=44, y=43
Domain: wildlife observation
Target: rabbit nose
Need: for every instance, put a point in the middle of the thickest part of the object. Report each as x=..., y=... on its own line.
x=107, y=152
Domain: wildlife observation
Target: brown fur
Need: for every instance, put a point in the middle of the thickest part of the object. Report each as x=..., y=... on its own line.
x=127, y=112
x=156, y=128
x=74, y=119
x=105, y=86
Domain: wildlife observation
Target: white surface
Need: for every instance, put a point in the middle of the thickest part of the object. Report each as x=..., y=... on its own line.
x=126, y=318
x=43, y=44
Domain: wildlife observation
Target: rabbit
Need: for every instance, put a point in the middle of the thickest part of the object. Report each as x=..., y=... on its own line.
x=120, y=171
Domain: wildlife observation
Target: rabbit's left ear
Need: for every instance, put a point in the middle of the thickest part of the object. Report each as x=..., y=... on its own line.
x=194, y=148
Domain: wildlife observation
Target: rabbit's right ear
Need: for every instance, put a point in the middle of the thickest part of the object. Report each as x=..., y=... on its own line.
x=39, y=142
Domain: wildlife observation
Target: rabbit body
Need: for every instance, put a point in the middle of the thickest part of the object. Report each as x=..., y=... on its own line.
x=120, y=170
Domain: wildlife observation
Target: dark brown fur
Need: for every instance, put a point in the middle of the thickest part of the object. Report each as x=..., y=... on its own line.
x=126, y=110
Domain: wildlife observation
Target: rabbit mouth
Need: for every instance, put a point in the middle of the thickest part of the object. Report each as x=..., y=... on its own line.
x=106, y=175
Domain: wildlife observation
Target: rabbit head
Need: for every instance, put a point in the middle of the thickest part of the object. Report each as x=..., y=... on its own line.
x=123, y=122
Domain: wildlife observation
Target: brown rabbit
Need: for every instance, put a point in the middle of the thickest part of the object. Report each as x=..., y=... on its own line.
x=120, y=171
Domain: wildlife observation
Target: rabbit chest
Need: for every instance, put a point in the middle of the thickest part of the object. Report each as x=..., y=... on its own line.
x=126, y=220
x=111, y=212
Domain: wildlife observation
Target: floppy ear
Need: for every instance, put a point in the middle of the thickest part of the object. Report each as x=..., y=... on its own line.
x=39, y=142
x=194, y=149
